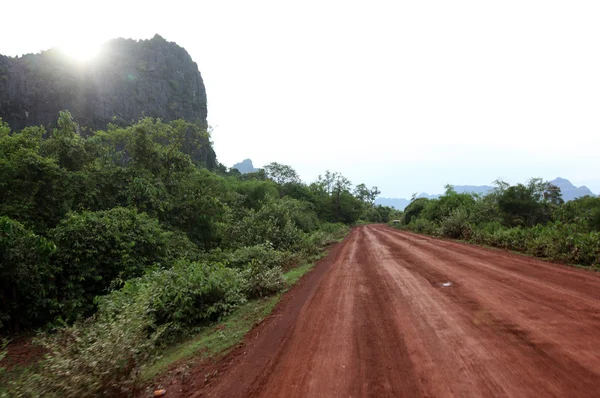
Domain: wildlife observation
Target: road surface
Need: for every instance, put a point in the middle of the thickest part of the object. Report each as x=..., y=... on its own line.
x=390, y=313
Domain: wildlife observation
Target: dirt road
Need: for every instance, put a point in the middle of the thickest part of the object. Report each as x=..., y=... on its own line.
x=390, y=313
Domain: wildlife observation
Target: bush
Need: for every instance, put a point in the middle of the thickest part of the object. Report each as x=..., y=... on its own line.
x=263, y=254
x=260, y=281
x=583, y=211
x=557, y=242
x=97, y=250
x=456, y=225
x=585, y=248
x=102, y=356
x=372, y=215
x=423, y=226
x=413, y=210
x=482, y=233
x=327, y=234
x=271, y=224
x=26, y=299
x=185, y=297
x=510, y=238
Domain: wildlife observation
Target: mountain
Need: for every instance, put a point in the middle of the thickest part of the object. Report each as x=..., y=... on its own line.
x=128, y=80
x=398, y=203
x=245, y=166
x=478, y=189
x=568, y=190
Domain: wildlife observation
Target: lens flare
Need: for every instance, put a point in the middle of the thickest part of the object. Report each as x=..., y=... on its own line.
x=81, y=50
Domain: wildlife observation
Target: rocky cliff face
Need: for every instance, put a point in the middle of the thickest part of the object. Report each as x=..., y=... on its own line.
x=128, y=80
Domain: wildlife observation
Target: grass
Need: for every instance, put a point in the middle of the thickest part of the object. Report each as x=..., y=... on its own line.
x=593, y=267
x=217, y=340
x=294, y=275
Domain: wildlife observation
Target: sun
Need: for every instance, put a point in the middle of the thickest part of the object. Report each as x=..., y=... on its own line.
x=81, y=50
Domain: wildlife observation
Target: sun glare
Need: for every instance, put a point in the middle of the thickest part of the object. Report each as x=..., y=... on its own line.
x=81, y=50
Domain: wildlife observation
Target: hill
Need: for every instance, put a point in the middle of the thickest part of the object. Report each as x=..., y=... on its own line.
x=128, y=80
x=570, y=191
x=245, y=166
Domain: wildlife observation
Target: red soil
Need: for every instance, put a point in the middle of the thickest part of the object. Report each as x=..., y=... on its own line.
x=378, y=318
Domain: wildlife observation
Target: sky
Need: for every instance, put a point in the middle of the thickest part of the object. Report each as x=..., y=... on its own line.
x=404, y=95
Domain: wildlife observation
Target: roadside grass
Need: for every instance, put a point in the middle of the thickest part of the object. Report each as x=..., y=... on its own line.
x=593, y=268
x=218, y=339
x=294, y=275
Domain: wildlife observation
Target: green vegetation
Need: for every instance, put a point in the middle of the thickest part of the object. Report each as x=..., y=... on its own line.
x=213, y=341
x=120, y=245
x=529, y=218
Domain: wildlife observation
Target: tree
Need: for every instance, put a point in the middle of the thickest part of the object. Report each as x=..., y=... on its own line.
x=333, y=181
x=439, y=209
x=365, y=194
x=4, y=128
x=25, y=296
x=97, y=249
x=65, y=144
x=414, y=209
x=527, y=205
x=281, y=173
x=553, y=195
x=34, y=188
x=583, y=211
x=519, y=205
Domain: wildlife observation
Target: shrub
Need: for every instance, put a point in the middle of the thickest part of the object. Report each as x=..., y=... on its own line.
x=260, y=281
x=101, y=356
x=187, y=296
x=413, y=210
x=26, y=299
x=586, y=248
x=558, y=241
x=97, y=249
x=327, y=234
x=423, y=226
x=510, y=238
x=263, y=254
x=372, y=215
x=272, y=224
x=456, y=225
x=483, y=233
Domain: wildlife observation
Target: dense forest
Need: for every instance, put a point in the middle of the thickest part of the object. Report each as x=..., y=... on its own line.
x=120, y=242
x=530, y=218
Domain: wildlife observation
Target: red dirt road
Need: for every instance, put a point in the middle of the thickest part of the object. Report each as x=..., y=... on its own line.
x=375, y=319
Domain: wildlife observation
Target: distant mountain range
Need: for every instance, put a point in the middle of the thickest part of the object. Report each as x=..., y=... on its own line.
x=245, y=166
x=568, y=190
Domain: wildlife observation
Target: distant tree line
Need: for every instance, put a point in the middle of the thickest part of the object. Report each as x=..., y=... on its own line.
x=531, y=217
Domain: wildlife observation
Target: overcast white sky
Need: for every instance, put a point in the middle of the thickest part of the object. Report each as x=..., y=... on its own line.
x=405, y=95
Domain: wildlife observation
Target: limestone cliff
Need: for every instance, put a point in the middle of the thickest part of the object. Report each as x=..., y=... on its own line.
x=128, y=80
